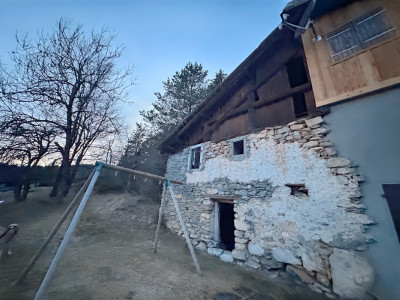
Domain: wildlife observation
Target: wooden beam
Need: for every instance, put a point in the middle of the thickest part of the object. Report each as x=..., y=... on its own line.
x=277, y=61
x=282, y=95
x=271, y=99
x=222, y=118
x=251, y=118
x=139, y=173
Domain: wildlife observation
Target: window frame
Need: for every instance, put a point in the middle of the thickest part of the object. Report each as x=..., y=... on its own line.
x=238, y=157
x=234, y=147
x=191, y=156
x=383, y=37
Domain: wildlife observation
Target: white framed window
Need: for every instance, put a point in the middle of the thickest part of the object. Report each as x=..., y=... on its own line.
x=195, y=157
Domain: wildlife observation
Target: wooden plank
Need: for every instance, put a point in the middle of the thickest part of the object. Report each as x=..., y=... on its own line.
x=236, y=125
x=310, y=100
x=368, y=68
x=135, y=172
x=277, y=83
x=270, y=100
x=314, y=70
x=393, y=11
x=283, y=94
x=354, y=71
x=365, y=90
x=277, y=113
x=274, y=64
x=251, y=119
x=161, y=212
x=372, y=69
x=387, y=59
x=324, y=63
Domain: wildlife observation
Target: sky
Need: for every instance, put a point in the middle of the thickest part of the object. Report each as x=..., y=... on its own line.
x=160, y=37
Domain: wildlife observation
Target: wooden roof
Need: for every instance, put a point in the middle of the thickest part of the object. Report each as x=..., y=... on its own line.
x=274, y=41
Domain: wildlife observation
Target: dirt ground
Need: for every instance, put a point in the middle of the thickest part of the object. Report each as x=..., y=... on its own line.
x=110, y=256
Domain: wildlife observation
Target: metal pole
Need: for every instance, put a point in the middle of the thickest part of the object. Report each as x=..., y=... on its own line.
x=185, y=233
x=67, y=236
x=160, y=216
x=139, y=173
x=54, y=230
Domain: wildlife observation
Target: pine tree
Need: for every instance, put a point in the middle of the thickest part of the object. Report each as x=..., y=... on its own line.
x=183, y=92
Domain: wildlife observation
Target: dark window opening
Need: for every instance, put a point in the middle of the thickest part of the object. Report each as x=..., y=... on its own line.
x=195, y=158
x=296, y=72
x=238, y=147
x=300, y=105
x=256, y=97
x=364, y=32
x=392, y=195
x=226, y=226
x=297, y=189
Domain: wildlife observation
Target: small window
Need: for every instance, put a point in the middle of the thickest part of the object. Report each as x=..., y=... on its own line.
x=195, y=158
x=238, y=147
x=343, y=43
x=364, y=32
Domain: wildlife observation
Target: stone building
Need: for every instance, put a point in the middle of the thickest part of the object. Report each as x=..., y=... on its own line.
x=280, y=166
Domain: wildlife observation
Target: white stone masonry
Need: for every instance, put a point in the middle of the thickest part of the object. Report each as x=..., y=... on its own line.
x=275, y=224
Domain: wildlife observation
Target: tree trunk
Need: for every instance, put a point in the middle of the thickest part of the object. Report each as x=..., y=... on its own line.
x=76, y=167
x=65, y=181
x=17, y=192
x=56, y=184
x=26, y=182
x=25, y=190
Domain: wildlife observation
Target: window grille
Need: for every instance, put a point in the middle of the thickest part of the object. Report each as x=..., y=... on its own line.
x=362, y=33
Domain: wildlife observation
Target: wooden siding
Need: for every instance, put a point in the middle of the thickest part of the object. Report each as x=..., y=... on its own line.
x=257, y=103
x=367, y=71
x=269, y=88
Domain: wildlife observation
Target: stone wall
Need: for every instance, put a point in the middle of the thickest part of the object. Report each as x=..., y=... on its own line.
x=277, y=227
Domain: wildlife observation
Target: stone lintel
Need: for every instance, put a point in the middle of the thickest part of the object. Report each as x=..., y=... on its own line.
x=223, y=198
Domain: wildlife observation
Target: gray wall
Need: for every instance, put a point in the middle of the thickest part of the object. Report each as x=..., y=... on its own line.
x=367, y=131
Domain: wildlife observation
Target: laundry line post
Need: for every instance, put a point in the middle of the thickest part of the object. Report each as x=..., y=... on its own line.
x=54, y=230
x=178, y=212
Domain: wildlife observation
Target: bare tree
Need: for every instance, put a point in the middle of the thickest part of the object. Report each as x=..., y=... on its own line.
x=24, y=143
x=68, y=80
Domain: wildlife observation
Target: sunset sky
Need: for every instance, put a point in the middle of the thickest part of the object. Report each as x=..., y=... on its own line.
x=160, y=36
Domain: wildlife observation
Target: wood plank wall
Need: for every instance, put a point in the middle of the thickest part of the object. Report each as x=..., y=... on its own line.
x=365, y=72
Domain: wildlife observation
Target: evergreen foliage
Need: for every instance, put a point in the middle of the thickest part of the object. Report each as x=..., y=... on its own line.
x=182, y=94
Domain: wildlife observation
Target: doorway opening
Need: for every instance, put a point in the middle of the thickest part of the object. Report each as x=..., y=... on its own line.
x=226, y=226
x=297, y=74
x=392, y=195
